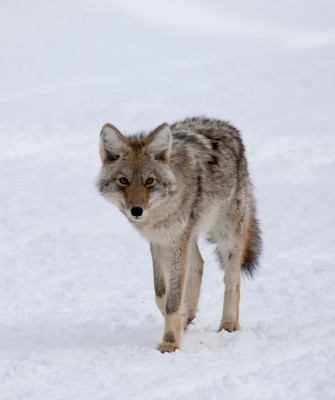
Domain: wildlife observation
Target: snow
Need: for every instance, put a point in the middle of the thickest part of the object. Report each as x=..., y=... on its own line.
x=77, y=311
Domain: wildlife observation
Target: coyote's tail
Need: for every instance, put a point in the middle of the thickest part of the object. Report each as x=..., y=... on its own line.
x=253, y=247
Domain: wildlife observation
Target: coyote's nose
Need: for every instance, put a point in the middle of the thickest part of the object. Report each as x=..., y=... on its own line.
x=136, y=211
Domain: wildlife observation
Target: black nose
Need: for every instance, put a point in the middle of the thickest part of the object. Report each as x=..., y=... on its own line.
x=136, y=211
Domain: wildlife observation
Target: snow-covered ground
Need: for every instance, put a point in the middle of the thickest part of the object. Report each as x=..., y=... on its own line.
x=77, y=312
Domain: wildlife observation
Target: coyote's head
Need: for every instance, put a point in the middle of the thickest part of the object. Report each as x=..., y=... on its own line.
x=136, y=173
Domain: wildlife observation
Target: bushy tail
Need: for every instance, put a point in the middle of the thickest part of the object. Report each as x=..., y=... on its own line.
x=253, y=247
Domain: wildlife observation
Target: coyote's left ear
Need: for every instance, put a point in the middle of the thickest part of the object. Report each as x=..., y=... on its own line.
x=160, y=143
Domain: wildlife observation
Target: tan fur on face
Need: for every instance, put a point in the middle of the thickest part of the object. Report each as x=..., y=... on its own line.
x=136, y=195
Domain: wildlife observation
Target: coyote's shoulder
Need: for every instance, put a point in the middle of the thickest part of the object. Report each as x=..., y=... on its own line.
x=174, y=182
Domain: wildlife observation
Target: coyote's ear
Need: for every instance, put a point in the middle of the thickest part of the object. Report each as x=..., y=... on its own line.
x=112, y=143
x=160, y=143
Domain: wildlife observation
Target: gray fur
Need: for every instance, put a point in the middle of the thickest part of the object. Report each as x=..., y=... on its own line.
x=201, y=184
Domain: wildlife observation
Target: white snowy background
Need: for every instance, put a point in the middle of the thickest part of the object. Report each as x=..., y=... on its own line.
x=77, y=312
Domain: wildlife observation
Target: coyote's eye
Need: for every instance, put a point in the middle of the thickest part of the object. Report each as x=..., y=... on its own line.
x=149, y=181
x=124, y=181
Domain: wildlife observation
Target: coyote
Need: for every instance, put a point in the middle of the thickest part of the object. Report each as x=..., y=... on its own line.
x=173, y=183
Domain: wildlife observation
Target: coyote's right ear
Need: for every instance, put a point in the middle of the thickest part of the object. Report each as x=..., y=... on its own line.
x=112, y=143
x=160, y=143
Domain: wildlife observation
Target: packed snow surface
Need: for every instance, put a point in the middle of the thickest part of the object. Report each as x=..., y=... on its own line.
x=77, y=313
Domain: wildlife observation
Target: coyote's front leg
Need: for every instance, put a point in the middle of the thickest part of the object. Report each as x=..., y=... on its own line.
x=159, y=259
x=170, y=263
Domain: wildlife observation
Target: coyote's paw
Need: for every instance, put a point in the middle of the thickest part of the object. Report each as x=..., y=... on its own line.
x=167, y=347
x=188, y=318
x=188, y=321
x=236, y=326
x=229, y=326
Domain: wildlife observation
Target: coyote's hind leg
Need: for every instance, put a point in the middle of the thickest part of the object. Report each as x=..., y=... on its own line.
x=230, y=315
x=230, y=250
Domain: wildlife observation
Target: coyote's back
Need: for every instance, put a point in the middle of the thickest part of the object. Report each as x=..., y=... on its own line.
x=176, y=181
